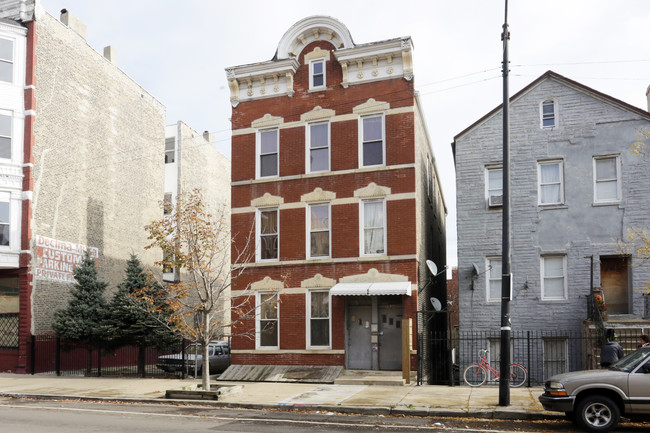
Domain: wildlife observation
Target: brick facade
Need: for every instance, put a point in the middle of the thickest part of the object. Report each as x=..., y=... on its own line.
x=399, y=182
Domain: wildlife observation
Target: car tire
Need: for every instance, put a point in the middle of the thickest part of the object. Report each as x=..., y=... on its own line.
x=597, y=413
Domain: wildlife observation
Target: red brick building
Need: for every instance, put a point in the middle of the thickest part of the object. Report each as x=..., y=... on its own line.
x=333, y=170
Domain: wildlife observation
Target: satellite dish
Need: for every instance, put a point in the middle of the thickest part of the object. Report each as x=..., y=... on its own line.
x=436, y=304
x=475, y=269
x=432, y=267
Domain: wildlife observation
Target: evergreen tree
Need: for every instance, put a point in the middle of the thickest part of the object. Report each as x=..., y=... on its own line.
x=82, y=320
x=128, y=320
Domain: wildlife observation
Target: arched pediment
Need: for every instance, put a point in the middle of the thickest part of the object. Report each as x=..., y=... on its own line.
x=374, y=276
x=310, y=29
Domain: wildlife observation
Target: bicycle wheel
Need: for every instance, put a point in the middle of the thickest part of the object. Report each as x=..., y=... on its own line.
x=475, y=375
x=518, y=375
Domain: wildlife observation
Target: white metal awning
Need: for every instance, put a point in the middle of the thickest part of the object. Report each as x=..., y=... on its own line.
x=371, y=289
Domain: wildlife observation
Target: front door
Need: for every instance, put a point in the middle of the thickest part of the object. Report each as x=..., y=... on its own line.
x=615, y=284
x=390, y=333
x=359, y=351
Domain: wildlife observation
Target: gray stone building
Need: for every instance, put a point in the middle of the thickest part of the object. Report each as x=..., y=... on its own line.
x=577, y=189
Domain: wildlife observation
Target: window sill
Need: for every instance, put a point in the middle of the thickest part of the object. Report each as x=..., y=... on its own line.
x=317, y=89
x=553, y=206
x=606, y=203
x=555, y=301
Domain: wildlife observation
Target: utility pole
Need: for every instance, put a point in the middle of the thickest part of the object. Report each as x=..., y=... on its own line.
x=506, y=277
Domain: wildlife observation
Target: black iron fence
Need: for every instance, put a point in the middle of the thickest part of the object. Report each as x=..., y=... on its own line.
x=542, y=353
x=9, y=324
x=50, y=354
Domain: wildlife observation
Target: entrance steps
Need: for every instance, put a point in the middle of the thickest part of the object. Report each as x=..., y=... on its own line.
x=372, y=377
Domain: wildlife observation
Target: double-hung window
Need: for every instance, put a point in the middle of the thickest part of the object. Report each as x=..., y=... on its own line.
x=372, y=140
x=554, y=279
x=4, y=223
x=268, y=150
x=170, y=150
x=6, y=60
x=494, y=186
x=317, y=74
x=268, y=234
x=267, y=321
x=493, y=278
x=5, y=134
x=318, y=322
x=551, y=182
x=555, y=356
x=319, y=230
x=319, y=146
x=607, y=179
x=548, y=114
x=373, y=233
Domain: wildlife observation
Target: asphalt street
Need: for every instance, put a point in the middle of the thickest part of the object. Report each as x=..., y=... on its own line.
x=20, y=415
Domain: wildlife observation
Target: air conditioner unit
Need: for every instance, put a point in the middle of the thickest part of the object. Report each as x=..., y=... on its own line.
x=495, y=200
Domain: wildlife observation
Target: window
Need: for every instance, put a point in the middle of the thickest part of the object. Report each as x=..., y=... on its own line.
x=548, y=114
x=494, y=186
x=267, y=321
x=551, y=182
x=430, y=178
x=5, y=136
x=494, y=279
x=268, y=234
x=553, y=277
x=372, y=136
x=319, y=230
x=6, y=60
x=607, y=179
x=168, y=205
x=170, y=150
x=317, y=74
x=10, y=295
x=373, y=239
x=268, y=153
x=555, y=356
x=318, y=321
x=319, y=143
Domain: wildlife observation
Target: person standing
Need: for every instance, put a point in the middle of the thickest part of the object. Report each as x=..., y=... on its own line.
x=611, y=350
x=644, y=341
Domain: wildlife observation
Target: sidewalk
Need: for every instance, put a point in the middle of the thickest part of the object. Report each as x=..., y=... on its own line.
x=363, y=399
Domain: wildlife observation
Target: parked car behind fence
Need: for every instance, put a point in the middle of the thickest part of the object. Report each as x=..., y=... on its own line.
x=219, y=358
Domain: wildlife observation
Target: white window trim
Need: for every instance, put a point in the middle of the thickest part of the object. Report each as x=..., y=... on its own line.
x=383, y=139
x=308, y=231
x=258, y=237
x=258, y=318
x=12, y=61
x=619, y=192
x=258, y=154
x=311, y=74
x=308, y=315
x=362, y=228
x=541, y=113
x=488, y=299
x=539, y=181
x=488, y=169
x=308, y=147
x=564, y=277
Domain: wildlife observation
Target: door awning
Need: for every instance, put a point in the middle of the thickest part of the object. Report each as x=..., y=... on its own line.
x=371, y=289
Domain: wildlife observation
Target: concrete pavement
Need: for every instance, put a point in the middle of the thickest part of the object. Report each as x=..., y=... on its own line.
x=426, y=400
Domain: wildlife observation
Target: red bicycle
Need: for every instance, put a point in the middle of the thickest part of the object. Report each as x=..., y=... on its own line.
x=478, y=374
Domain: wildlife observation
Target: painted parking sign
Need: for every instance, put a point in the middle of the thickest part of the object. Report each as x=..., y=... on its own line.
x=56, y=260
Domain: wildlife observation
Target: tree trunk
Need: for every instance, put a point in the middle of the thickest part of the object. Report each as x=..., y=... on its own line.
x=141, y=360
x=89, y=361
x=205, y=376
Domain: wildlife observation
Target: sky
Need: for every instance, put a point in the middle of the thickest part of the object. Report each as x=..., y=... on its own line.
x=178, y=50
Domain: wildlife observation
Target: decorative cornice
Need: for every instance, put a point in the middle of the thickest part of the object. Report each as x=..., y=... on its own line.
x=267, y=121
x=317, y=281
x=267, y=200
x=374, y=276
x=267, y=284
x=314, y=28
x=318, y=195
x=317, y=113
x=371, y=106
x=372, y=190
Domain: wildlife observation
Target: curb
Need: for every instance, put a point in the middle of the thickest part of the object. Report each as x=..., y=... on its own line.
x=347, y=410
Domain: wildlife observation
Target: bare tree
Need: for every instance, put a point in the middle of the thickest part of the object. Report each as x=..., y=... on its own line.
x=198, y=244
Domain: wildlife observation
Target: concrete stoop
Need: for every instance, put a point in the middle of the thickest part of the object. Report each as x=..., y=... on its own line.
x=371, y=377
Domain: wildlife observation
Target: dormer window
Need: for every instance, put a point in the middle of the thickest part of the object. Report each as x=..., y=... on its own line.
x=317, y=74
x=548, y=114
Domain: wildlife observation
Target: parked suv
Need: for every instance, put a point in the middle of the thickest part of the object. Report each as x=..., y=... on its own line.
x=219, y=358
x=596, y=399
